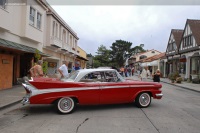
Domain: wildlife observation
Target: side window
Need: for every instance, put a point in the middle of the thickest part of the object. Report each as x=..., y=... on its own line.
x=93, y=77
x=111, y=76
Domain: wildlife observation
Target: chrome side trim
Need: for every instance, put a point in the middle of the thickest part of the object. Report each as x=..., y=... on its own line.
x=141, y=86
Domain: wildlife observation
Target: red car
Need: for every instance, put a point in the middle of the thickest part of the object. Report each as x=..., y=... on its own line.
x=90, y=87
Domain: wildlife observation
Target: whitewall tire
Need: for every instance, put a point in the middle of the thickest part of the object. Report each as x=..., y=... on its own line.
x=143, y=100
x=65, y=105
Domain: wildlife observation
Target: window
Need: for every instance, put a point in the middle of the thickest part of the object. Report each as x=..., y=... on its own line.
x=39, y=17
x=3, y=3
x=188, y=41
x=53, y=33
x=32, y=16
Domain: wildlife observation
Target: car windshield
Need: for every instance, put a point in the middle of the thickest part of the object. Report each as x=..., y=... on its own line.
x=72, y=76
x=120, y=77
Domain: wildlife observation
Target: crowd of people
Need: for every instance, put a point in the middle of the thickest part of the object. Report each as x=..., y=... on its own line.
x=143, y=74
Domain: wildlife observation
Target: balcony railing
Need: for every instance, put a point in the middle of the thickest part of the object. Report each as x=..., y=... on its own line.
x=56, y=42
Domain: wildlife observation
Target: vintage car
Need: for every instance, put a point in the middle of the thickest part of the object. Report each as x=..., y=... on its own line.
x=90, y=87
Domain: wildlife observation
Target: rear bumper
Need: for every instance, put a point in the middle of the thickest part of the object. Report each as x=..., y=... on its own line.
x=25, y=100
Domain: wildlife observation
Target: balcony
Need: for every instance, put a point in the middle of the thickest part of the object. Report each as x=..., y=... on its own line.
x=55, y=42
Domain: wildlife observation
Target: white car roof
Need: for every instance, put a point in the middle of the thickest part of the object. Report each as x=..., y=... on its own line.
x=83, y=72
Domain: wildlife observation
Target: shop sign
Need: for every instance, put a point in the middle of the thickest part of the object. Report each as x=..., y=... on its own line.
x=5, y=61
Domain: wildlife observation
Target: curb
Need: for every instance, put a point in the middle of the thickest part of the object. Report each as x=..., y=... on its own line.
x=186, y=88
x=9, y=105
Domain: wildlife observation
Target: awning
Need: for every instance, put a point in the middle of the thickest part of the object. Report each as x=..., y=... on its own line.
x=143, y=64
x=153, y=63
x=79, y=57
x=20, y=47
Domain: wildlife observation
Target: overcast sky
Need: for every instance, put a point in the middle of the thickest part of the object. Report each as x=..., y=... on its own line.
x=140, y=24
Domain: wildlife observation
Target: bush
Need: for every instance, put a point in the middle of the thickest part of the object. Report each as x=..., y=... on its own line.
x=175, y=76
x=179, y=79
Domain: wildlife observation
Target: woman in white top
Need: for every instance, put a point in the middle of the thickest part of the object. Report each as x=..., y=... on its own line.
x=145, y=73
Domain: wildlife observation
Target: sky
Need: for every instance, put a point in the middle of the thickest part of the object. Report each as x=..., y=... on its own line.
x=150, y=25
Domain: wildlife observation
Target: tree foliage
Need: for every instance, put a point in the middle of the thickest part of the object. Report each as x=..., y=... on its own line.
x=119, y=50
x=102, y=57
x=116, y=56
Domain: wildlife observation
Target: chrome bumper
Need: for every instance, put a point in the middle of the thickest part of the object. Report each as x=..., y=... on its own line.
x=159, y=95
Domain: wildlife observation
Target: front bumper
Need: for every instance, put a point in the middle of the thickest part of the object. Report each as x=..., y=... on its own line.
x=158, y=96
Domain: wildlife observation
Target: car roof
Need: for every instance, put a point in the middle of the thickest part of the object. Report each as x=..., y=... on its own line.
x=83, y=72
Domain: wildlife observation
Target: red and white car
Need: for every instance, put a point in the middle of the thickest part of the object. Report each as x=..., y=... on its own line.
x=90, y=87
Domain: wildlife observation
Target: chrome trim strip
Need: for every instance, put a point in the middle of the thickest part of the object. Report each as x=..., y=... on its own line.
x=110, y=87
x=141, y=86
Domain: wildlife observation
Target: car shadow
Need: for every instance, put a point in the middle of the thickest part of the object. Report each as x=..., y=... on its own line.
x=50, y=109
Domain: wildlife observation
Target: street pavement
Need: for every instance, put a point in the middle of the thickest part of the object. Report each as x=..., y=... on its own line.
x=14, y=95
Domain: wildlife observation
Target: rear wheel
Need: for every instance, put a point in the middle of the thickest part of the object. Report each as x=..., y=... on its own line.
x=65, y=105
x=143, y=100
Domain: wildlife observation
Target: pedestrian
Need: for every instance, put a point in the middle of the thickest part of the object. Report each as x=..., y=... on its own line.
x=36, y=70
x=77, y=67
x=144, y=74
x=132, y=70
x=156, y=76
x=63, y=69
x=148, y=72
x=122, y=71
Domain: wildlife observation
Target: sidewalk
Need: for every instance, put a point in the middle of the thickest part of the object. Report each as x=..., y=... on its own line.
x=184, y=84
x=9, y=97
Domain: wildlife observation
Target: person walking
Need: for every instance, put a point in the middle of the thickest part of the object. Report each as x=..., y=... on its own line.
x=36, y=70
x=156, y=76
x=144, y=74
x=64, y=70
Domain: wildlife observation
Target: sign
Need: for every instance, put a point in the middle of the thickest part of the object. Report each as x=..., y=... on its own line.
x=5, y=61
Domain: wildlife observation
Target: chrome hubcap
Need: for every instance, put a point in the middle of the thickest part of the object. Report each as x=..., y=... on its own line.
x=144, y=99
x=65, y=104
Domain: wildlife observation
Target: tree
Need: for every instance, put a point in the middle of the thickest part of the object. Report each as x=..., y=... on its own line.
x=103, y=57
x=137, y=49
x=119, y=50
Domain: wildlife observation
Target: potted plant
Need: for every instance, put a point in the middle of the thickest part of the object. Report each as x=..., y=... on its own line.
x=171, y=77
x=179, y=79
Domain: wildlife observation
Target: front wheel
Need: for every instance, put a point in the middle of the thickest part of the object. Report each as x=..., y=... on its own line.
x=143, y=100
x=65, y=105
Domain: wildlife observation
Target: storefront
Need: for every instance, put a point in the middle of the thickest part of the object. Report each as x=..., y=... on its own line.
x=194, y=68
x=182, y=69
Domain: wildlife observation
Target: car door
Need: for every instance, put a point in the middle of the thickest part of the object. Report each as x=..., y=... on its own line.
x=90, y=93
x=114, y=91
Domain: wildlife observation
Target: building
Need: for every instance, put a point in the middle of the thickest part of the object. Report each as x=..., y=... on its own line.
x=189, y=51
x=61, y=42
x=21, y=34
x=172, y=51
x=136, y=60
x=82, y=58
x=29, y=27
x=183, y=51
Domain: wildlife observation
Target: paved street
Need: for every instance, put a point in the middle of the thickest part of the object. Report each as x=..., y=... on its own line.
x=176, y=112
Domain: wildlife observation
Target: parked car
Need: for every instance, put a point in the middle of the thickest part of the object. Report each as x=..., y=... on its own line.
x=90, y=87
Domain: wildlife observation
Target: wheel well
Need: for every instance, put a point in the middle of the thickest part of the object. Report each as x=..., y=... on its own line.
x=145, y=92
x=74, y=98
